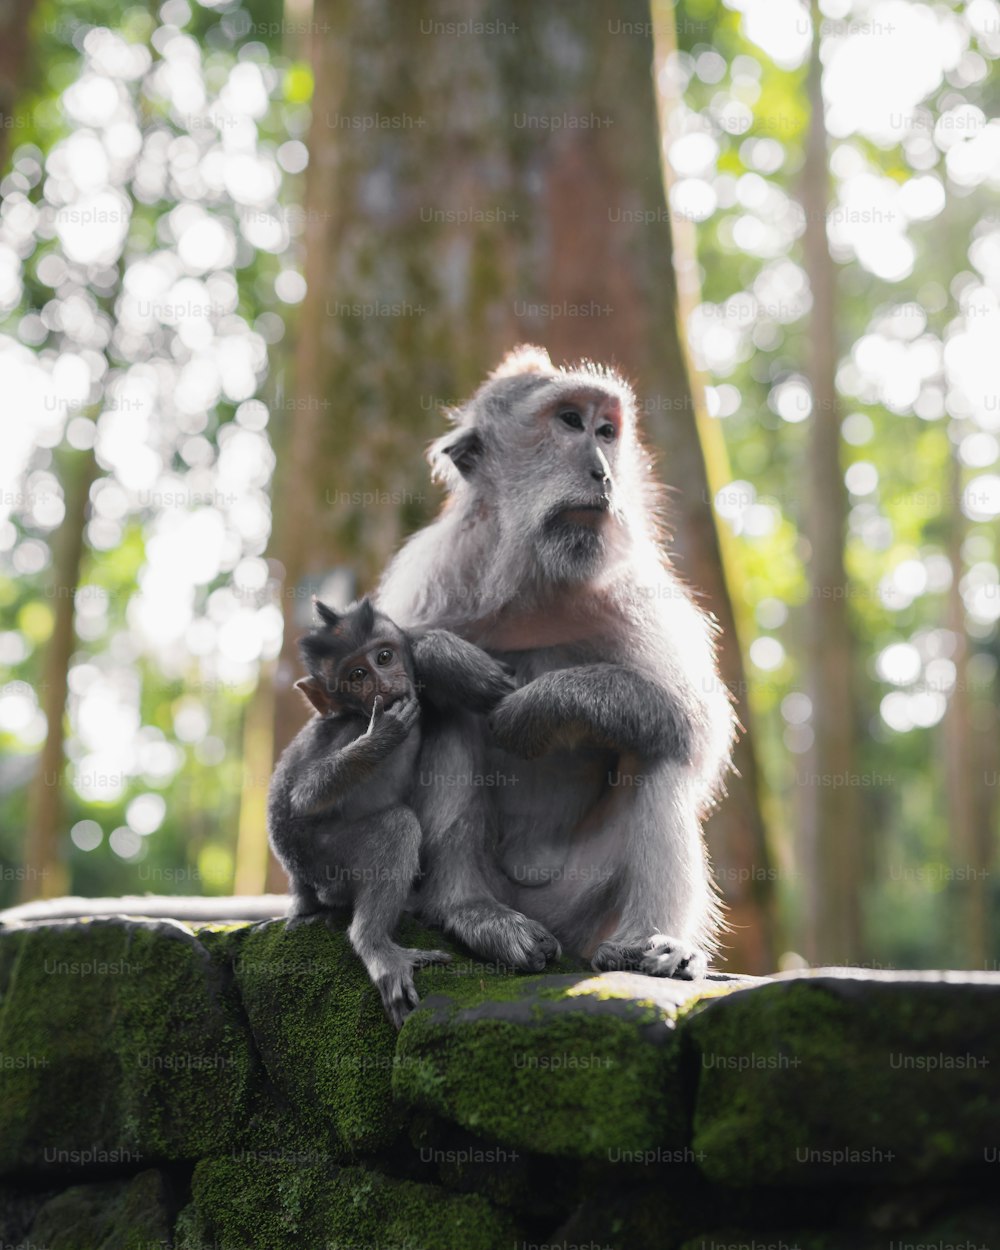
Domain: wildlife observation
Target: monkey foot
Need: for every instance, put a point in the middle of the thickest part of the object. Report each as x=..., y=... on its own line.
x=288, y=923
x=617, y=957
x=670, y=957
x=399, y=994
x=303, y=918
x=504, y=936
x=659, y=956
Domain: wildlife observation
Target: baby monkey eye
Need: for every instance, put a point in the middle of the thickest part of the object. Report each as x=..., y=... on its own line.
x=384, y=656
x=572, y=418
x=607, y=431
x=357, y=674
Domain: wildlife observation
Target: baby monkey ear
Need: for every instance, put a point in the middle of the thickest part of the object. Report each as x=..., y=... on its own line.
x=315, y=693
x=325, y=614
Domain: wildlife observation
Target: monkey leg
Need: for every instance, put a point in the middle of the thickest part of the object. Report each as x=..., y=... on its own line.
x=383, y=862
x=463, y=886
x=304, y=900
x=457, y=895
x=669, y=913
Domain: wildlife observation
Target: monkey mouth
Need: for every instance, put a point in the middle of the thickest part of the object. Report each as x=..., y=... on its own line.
x=588, y=514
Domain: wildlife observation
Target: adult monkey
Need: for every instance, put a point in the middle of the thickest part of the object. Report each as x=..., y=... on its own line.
x=548, y=554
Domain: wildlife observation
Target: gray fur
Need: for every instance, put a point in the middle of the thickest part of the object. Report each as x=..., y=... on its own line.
x=549, y=555
x=339, y=818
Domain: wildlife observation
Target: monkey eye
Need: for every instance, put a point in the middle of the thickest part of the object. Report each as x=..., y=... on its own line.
x=607, y=432
x=570, y=417
x=384, y=656
x=357, y=674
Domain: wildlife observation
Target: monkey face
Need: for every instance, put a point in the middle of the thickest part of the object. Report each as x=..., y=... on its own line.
x=379, y=670
x=547, y=463
x=576, y=432
x=582, y=428
x=354, y=657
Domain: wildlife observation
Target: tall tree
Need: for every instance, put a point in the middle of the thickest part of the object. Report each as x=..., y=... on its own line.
x=966, y=790
x=45, y=874
x=737, y=832
x=15, y=24
x=482, y=177
x=832, y=812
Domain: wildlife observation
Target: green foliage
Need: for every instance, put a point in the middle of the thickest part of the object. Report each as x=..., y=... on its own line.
x=894, y=325
x=177, y=610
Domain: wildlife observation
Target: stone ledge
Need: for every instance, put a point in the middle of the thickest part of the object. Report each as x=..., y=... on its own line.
x=189, y=1076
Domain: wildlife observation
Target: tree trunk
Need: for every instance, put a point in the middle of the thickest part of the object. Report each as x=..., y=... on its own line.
x=15, y=24
x=252, y=862
x=737, y=832
x=831, y=798
x=967, y=805
x=45, y=874
x=486, y=175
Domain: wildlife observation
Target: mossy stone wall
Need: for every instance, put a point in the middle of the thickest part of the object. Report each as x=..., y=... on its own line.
x=238, y=1087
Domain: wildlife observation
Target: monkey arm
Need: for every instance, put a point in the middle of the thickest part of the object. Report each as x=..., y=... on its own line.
x=454, y=673
x=613, y=705
x=329, y=778
x=328, y=781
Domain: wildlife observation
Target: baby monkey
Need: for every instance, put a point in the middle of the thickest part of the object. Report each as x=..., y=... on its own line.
x=338, y=814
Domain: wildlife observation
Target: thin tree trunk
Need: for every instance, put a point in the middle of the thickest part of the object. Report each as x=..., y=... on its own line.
x=299, y=543
x=737, y=832
x=15, y=27
x=45, y=873
x=964, y=778
x=831, y=794
x=251, y=865
x=474, y=190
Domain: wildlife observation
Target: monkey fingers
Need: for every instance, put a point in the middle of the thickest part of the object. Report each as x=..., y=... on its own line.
x=670, y=957
x=399, y=994
x=405, y=712
x=502, y=935
x=422, y=959
x=618, y=957
x=298, y=922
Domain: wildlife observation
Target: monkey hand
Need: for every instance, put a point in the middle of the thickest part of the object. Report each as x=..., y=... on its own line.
x=488, y=685
x=452, y=672
x=404, y=714
x=395, y=985
x=520, y=727
x=378, y=715
x=401, y=715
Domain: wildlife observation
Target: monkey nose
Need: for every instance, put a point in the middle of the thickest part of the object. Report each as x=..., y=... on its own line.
x=599, y=475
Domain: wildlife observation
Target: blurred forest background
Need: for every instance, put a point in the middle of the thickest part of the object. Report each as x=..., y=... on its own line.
x=250, y=253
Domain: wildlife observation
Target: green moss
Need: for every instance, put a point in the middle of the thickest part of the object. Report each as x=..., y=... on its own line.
x=549, y=1066
x=123, y=1043
x=282, y=1205
x=321, y=1031
x=831, y=1080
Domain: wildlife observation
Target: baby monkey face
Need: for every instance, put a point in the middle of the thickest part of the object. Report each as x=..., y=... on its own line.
x=378, y=670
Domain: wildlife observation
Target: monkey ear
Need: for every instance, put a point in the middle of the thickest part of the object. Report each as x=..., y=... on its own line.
x=525, y=358
x=366, y=615
x=325, y=614
x=463, y=450
x=315, y=693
